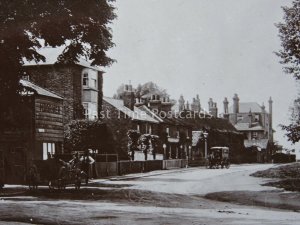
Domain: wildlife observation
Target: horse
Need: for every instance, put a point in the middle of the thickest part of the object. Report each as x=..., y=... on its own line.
x=33, y=177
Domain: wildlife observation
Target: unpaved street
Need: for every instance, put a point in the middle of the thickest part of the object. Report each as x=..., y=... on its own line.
x=161, y=197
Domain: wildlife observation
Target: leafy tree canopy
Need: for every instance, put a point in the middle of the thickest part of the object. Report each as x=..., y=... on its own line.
x=141, y=90
x=81, y=26
x=289, y=33
x=293, y=129
x=290, y=39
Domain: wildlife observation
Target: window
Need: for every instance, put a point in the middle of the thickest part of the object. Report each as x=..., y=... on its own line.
x=86, y=113
x=85, y=79
x=90, y=110
x=168, y=131
x=90, y=78
x=94, y=83
x=86, y=110
x=48, y=149
x=254, y=135
x=150, y=129
x=138, y=127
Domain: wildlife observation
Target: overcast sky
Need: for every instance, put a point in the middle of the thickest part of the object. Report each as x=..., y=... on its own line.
x=213, y=48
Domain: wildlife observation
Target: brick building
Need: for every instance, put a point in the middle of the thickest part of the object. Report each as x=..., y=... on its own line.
x=121, y=115
x=79, y=84
x=149, y=114
x=220, y=132
x=255, y=122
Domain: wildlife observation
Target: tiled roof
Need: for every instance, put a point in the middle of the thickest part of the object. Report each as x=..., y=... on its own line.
x=245, y=107
x=168, y=119
x=245, y=127
x=39, y=90
x=136, y=114
x=150, y=113
x=51, y=55
x=261, y=143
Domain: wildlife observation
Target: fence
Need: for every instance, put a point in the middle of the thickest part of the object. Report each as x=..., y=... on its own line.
x=106, y=169
x=174, y=163
x=128, y=167
x=140, y=156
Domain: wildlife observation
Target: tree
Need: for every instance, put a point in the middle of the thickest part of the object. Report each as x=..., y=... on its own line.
x=293, y=129
x=290, y=39
x=84, y=134
x=149, y=87
x=81, y=26
x=290, y=57
x=133, y=142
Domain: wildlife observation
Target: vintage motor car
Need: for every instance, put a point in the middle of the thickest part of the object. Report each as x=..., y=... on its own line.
x=218, y=157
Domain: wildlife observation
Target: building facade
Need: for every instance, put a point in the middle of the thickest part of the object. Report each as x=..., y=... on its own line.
x=37, y=131
x=121, y=116
x=81, y=88
x=255, y=122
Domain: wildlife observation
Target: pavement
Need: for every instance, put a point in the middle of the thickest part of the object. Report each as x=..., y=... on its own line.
x=146, y=174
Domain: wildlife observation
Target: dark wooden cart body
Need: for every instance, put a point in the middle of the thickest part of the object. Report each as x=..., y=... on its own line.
x=55, y=173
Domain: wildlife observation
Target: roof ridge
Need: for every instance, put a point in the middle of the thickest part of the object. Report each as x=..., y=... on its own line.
x=46, y=89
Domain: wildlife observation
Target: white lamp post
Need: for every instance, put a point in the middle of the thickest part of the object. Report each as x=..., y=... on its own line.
x=189, y=153
x=165, y=153
x=205, y=134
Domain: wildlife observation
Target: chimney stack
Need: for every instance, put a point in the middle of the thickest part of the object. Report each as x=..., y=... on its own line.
x=235, y=108
x=212, y=107
x=187, y=106
x=250, y=118
x=181, y=102
x=226, y=111
x=128, y=97
x=195, y=106
x=236, y=103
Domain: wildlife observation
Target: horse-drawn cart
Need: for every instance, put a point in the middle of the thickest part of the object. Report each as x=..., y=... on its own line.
x=55, y=173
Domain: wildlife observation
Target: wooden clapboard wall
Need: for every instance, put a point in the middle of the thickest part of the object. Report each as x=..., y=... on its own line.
x=48, y=119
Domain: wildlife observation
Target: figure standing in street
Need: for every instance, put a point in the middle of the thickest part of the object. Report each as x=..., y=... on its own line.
x=75, y=160
x=87, y=160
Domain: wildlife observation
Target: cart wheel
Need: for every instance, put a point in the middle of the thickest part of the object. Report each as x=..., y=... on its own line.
x=227, y=165
x=77, y=185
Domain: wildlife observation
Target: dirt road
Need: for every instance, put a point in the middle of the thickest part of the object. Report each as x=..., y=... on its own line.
x=170, y=198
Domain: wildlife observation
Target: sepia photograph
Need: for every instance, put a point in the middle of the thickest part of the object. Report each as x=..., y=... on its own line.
x=141, y=112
